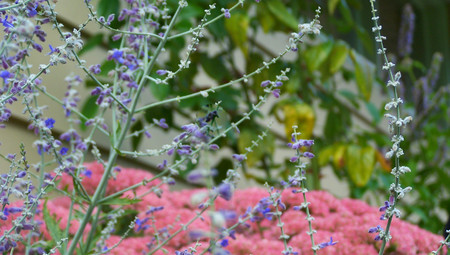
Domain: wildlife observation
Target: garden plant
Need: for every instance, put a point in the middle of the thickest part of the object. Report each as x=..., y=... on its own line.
x=194, y=98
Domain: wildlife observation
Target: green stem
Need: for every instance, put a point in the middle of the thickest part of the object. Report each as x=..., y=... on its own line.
x=113, y=156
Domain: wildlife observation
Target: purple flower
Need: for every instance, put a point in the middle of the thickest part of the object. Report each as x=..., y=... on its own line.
x=162, y=165
x=225, y=191
x=5, y=75
x=117, y=55
x=301, y=143
x=276, y=93
x=406, y=32
x=161, y=72
x=387, y=204
x=323, y=245
x=278, y=84
x=110, y=18
x=140, y=224
x=162, y=123
x=95, y=69
x=154, y=209
x=308, y=154
x=195, y=176
x=226, y=13
x=52, y=50
x=265, y=83
x=214, y=147
x=87, y=173
x=49, y=123
x=190, y=128
x=238, y=157
x=63, y=151
x=224, y=243
x=21, y=174
x=6, y=23
x=116, y=37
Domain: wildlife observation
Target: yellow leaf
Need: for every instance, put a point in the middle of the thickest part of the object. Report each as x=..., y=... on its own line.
x=301, y=115
x=237, y=26
x=360, y=162
x=338, y=156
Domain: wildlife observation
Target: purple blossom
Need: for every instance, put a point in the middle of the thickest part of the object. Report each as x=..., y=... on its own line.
x=330, y=243
x=162, y=165
x=52, y=50
x=5, y=75
x=238, y=157
x=387, y=204
x=162, y=123
x=195, y=176
x=308, y=154
x=63, y=151
x=161, y=72
x=6, y=23
x=87, y=173
x=224, y=243
x=278, y=84
x=153, y=209
x=116, y=37
x=49, y=123
x=214, y=147
x=300, y=143
x=117, y=55
x=406, y=32
x=141, y=224
x=376, y=229
x=225, y=191
x=95, y=69
x=21, y=174
x=276, y=93
x=226, y=13
x=190, y=128
x=265, y=83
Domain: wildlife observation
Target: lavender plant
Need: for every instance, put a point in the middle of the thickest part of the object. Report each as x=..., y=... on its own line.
x=134, y=68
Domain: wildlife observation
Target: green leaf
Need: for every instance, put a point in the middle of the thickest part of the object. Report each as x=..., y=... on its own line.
x=360, y=162
x=316, y=55
x=214, y=66
x=332, y=6
x=374, y=112
x=160, y=91
x=107, y=7
x=52, y=225
x=89, y=109
x=106, y=67
x=237, y=26
x=120, y=201
x=280, y=11
x=364, y=76
x=91, y=43
x=350, y=95
x=338, y=56
x=265, y=19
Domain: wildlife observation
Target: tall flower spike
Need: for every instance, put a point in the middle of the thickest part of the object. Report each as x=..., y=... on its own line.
x=396, y=122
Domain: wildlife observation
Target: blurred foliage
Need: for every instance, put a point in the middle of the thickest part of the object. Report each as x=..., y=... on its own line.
x=333, y=72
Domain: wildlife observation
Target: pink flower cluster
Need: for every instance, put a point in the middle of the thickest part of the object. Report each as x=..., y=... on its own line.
x=346, y=220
